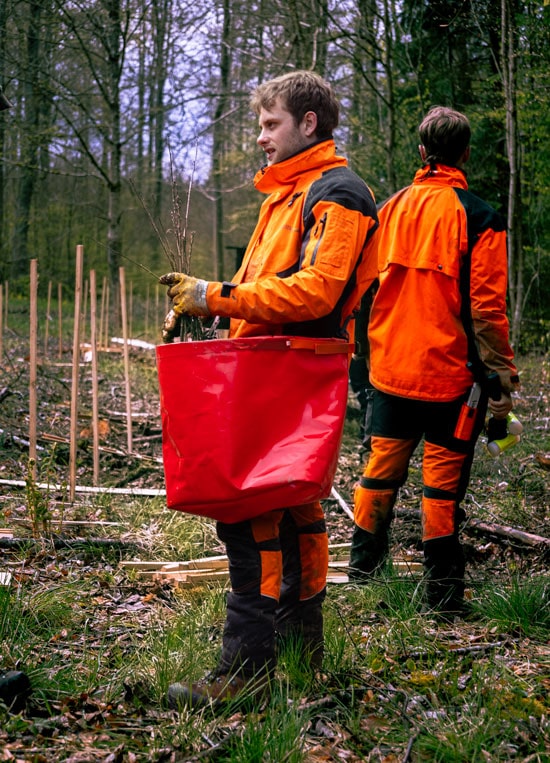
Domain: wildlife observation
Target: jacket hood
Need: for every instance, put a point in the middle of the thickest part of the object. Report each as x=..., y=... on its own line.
x=443, y=174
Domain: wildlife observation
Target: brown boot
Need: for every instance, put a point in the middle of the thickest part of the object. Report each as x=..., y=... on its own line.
x=218, y=690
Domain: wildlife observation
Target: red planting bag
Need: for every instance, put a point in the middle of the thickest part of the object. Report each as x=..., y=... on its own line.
x=251, y=424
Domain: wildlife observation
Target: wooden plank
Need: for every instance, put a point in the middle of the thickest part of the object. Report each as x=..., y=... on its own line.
x=207, y=562
x=88, y=489
x=399, y=565
x=215, y=569
x=194, y=576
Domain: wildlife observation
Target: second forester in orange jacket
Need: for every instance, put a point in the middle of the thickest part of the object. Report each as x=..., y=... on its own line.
x=437, y=325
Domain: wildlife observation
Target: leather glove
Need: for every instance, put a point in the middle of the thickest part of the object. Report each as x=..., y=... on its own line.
x=188, y=297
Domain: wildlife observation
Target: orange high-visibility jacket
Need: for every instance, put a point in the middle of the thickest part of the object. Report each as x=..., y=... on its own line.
x=307, y=262
x=429, y=287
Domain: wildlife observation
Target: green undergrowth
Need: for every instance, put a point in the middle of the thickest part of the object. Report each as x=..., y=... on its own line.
x=101, y=650
x=101, y=643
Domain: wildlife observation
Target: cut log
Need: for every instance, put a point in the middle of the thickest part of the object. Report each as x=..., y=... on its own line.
x=58, y=543
x=511, y=533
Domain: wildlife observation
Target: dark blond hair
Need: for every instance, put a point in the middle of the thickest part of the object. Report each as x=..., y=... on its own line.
x=300, y=92
x=445, y=134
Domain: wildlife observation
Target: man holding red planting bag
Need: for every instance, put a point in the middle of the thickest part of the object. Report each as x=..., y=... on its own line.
x=310, y=258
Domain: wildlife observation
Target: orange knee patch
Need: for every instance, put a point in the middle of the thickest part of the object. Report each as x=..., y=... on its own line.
x=441, y=468
x=314, y=561
x=272, y=573
x=438, y=518
x=372, y=507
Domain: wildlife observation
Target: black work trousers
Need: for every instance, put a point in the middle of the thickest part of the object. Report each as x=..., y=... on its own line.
x=278, y=565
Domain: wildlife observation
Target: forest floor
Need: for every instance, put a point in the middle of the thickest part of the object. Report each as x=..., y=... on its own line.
x=101, y=642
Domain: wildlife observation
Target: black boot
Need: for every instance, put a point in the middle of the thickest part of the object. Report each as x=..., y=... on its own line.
x=445, y=566
x=219, y=690
x=368, y=553
x=15, y=688
x=299, y=624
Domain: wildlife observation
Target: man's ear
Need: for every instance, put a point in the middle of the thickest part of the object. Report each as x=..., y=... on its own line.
x=463, y=158
x=309, y=123
x=422, y=152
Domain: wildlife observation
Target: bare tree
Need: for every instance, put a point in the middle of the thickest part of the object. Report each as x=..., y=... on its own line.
x=219, y=143
x=3, y=21
x=515, y=244
x=36, y=97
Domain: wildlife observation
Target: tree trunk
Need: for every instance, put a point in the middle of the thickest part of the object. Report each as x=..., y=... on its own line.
x=515, y=249
x=114, y=151
x=161, y=10
x=389, y=13
x=218, y=147
x=3, y=248
x=29, y=153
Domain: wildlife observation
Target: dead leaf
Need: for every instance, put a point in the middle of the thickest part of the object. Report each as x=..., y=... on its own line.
x=543, y=459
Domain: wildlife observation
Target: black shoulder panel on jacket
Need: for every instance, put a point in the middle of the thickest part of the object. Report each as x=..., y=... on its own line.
x=341, y=186
x=480, y=215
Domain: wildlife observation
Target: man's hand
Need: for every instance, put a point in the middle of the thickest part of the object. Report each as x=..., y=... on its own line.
x=501, y=408
x=188, y=297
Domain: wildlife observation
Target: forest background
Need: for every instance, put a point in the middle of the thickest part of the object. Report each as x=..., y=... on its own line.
x=116, y=103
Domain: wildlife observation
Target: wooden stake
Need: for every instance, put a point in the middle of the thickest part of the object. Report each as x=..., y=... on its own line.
x=1, y=321
x=95, y=397
x=6, y=309
x=343, y=505
x=106, y=341
x=59, y=320
x=146, y=332
x=102, y=311
x=84, y=315
x=47, y=329
x=56, y=488
x=126, y=357
x=131, y=311
x=33, y=365
x=211, y=569
x=76, y=370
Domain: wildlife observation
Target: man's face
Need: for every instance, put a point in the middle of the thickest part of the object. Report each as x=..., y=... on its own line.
x=280, y=137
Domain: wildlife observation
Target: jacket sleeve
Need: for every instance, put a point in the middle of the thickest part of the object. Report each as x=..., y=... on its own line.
x=332, y=245
x=488, y=283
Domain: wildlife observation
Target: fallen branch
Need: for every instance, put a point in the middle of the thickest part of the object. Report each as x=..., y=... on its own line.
x=57, y=543
x=485, y=528
x=511, y=533
x=476, y=648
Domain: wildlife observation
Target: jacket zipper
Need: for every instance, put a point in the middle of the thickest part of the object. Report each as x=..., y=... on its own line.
x=322, y=222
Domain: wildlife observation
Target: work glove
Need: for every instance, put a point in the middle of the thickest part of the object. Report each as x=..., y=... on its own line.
x=188, y=297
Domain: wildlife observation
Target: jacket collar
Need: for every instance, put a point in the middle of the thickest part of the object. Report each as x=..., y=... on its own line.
x=275, y=176
x=442, y=174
